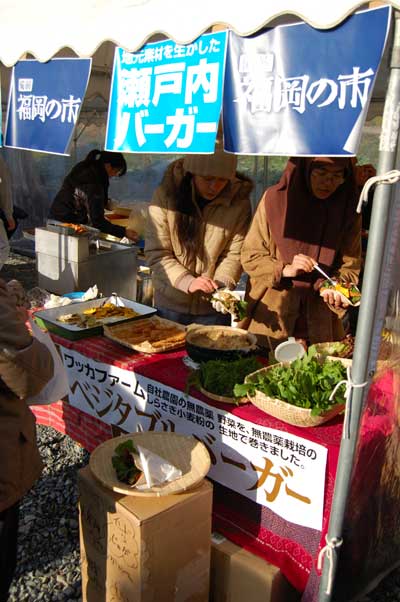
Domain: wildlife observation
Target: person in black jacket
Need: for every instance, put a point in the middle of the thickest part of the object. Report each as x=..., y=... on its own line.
x=83, y=196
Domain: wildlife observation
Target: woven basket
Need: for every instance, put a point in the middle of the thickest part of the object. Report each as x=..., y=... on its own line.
x=222, y=398
x=184, y=452
x=288, y=412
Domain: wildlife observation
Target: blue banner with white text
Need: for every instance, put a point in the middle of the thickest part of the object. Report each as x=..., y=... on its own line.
x=296, y=90
x=167, y=98
x=44, y=103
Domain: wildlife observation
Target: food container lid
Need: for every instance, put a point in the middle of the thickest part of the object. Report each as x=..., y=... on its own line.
x=289, y=350
x=77, y=295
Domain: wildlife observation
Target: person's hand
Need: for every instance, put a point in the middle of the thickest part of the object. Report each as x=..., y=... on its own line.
x=11, y=223
x=22, y=313
x=334, y=298
x=204, y=284
x=300, y=264
x=132, y=234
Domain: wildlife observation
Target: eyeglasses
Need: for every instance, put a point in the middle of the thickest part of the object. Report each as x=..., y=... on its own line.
x=324, y=174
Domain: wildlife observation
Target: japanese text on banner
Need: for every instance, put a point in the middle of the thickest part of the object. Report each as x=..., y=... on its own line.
x=167, y=98
x=278, y=100
x=284, y=472
x=44, y=103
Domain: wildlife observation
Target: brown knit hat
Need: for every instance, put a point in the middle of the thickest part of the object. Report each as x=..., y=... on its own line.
x=219, y=165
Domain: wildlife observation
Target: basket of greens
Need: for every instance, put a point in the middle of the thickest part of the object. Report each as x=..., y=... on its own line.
x=298, y=393
x=217, y=378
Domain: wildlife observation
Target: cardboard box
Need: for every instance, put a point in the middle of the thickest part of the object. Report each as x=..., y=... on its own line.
x=240, y=576
x=144, y=549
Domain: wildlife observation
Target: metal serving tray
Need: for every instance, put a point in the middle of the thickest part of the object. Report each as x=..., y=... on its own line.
x=48, y=317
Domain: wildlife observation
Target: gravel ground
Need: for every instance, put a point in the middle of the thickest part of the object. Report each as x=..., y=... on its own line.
x=48, y=566
x=20, y=268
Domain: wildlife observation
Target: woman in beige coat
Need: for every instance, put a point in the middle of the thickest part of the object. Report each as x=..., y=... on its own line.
x=25, y=367
x=308, y=217
x=198, y=219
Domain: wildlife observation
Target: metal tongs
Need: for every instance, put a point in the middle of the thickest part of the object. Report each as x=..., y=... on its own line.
x=321, y=271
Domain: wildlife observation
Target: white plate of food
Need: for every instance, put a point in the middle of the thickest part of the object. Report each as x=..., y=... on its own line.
x=89, y=317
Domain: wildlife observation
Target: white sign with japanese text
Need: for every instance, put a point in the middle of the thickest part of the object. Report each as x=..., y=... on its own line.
x=276, y=469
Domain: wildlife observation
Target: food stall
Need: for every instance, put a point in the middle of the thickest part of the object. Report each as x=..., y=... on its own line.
x=377, y=277
x=116, y=387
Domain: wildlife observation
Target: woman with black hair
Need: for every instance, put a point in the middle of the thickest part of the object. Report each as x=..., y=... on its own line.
x=309, y=217
x=83, y=196
x=198, y=219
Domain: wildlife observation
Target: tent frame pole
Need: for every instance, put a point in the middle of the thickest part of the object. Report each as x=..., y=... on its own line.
x=367, y=316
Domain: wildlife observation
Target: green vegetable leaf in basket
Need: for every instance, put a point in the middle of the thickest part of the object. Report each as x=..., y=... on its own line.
x=307, y=382
x=220, y=376
x=124, y=463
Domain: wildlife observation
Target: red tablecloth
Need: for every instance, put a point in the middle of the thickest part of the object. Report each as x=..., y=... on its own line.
x=291, y=547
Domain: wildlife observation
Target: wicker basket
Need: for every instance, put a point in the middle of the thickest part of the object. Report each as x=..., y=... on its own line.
x=184, y=452
x=288, y=412
x=222, y=398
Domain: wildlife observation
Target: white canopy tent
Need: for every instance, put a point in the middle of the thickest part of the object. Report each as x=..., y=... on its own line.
x=92, y=29
x=45, y=28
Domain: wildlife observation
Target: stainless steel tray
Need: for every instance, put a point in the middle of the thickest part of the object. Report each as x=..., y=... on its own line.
x=48, y=317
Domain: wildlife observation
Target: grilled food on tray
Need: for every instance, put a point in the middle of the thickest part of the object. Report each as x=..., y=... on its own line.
x=349, y=292
x=150, y=336
x=94, y=315
x=78, y=228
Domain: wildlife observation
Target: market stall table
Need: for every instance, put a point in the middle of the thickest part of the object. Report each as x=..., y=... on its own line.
x=94, y=361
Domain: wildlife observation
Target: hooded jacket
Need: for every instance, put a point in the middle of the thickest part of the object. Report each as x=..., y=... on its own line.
x=25, y=367
x=275, y=302
x=225, y=221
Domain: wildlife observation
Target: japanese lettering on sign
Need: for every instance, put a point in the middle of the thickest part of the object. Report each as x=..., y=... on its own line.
x=167, y=97
x=44, y=103
x=276, y=469
x=285, y=102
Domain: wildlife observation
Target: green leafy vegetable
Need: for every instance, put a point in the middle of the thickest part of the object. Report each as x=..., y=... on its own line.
x=241, y=310
x=124, y=463
x=220, y=376
x=307, y=383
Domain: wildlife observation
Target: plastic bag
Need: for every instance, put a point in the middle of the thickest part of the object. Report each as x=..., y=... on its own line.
x=58, y=386
x=156, y=470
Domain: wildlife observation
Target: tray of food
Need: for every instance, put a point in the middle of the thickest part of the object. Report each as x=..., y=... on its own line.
x=71, y=229
x=90, y=317
x=204, y=343
x=153, y=335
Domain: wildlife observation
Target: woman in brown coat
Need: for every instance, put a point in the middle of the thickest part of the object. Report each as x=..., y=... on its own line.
x=308, y=217
x=198, y=219
x=25, y=367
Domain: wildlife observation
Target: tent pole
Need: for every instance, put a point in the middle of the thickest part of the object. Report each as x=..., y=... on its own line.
x=368, y=311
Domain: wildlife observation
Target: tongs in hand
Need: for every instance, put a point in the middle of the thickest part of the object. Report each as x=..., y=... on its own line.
x=321, y=271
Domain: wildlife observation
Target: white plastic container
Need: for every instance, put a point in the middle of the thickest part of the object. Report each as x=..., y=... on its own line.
x=288, y=351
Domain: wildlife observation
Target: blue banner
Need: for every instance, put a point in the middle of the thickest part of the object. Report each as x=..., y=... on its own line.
x=44, y=103
x=295, y=90
x=167, y=97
